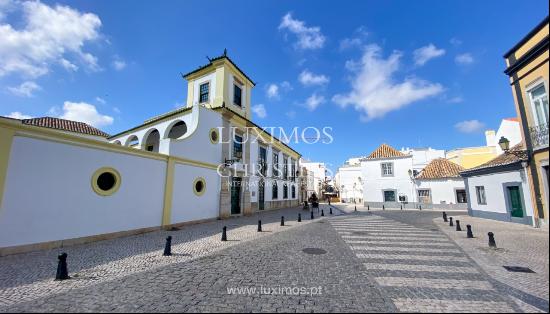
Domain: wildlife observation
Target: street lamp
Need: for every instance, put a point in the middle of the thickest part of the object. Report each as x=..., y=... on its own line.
x=504, y=144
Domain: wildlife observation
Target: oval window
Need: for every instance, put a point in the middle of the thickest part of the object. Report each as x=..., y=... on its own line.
x=105, y=181
x=199, y=186
x=214, y=136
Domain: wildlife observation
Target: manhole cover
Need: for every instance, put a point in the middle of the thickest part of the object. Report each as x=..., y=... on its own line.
x=518, y=269
x=314, y=251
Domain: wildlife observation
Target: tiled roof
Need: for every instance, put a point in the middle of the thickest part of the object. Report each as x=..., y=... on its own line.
x=65, y=125
x=385, y=151
x=440, y=168
x=505, y=159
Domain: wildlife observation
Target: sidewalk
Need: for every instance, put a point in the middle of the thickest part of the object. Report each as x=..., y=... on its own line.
x=31, y=275
x=517, y=245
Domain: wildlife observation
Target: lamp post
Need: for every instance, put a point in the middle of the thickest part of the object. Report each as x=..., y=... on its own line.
x=504, y=144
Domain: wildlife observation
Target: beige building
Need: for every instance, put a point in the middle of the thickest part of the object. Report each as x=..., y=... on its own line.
x=527, y=67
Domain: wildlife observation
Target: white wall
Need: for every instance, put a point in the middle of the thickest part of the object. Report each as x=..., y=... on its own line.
x=442, y=191
x=511, y=130
x=375, y=183
x=496, y=193
x=348, y=177
x=186, y=205
x=48, y=194
x=196, y=85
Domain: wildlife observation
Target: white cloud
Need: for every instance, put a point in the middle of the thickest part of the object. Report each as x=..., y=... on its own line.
x=272, y=91
x=18, y=115
x=470, y=126
x=374, y=90
x=259, y=110
x=314, y=101
x=86, y=113
x=426, y=53
x=356, y=40
x=308, y=37
x=455, y=100
x=464, y=59
x=47, y=35
x=119, y=65
x=26, y=89
x=100, y=100
x=308, y=79
x=116, y=110
x=455, y=42
x=68, y=65
x=291, y=114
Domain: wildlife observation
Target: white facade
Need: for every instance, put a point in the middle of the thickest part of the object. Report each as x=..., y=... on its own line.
x=423, y=156
x=376, y=185
x=442, y=192
x=319, y=171
x=350, y=183
x=496, y=189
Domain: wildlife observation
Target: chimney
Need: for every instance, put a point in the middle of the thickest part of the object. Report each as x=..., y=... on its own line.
x=491, y=137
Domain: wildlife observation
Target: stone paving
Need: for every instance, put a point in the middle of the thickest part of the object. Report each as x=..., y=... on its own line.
x=380, y=261
x=29, y=276
x=517, y=245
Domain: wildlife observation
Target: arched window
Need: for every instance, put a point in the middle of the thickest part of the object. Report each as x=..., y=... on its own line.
x=117, y=142
x=285, y=191
x=275, y=190
x=177, y=130
x=132, y=141
x=151, y=142
x=293, y=192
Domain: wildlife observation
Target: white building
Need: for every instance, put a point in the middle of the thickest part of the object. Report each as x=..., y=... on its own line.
x=202, y=162
x=349, y=181
x=499, y=189
x=389, y=178
x=319, y=171
x=440, y=185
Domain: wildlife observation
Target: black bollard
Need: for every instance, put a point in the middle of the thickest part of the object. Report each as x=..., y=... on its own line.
x=224, y=233
x=492, y=242
x=451, y=221
x=401, y=206
x=420, y=207
x=330, y=211
x=368, y=207
x=322, y=213
x=282, y=220
x=445, y=217
x=469, y=233
x=259, y=226
x=312, y=215
x=458, y=226
x=383, y=207
x=355, y=207
x=299, y=217
x=168, y=247
x=62, y=271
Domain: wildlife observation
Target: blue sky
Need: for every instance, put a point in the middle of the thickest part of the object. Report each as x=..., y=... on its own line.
x=408, y=73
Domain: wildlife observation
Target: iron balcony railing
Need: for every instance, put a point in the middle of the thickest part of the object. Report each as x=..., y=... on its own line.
x=539, y=135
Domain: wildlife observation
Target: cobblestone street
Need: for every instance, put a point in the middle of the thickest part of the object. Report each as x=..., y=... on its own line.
x=375, y=262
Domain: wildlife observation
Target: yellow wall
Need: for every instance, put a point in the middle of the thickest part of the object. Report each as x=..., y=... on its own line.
x=472, y=156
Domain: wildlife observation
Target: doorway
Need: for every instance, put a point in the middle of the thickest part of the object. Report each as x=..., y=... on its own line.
x=516, y=205
x=236, y=196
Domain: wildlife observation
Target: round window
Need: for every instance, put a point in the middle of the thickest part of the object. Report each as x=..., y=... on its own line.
x=214, y=136
x=105, y=181
x=199, y=186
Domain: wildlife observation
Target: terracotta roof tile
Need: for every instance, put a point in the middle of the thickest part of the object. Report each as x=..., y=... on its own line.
x=65, y=125
x=385, y=151
x=504, y=159
x=440, y=168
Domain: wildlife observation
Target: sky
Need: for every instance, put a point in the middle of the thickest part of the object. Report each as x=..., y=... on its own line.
x=406, y=73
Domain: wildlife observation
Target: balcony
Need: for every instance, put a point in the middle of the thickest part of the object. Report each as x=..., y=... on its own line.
x=539, y=135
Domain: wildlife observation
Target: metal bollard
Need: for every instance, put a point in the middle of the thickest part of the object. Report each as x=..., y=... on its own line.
x=492, y=242
x=62, y=270
x=282, y=220
x=312, y=215
x=224, y=233
x=445, y=217
x=168, y=247
x=420, y=207
x=368, y=207
x=469, y=233
x=355, y=207
x=259, y=226
x=383, y=207
x=330, y=212
x=401, y=206
x=451, y=221
x=458, y=226
x=299, y=217
x=322, y=213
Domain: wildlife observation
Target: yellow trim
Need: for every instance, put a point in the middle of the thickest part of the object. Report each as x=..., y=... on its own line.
x=168, y=192
x=64, y=138
x=114, y=189
x=214, y=130
x=6, y=140
x=199, y=193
